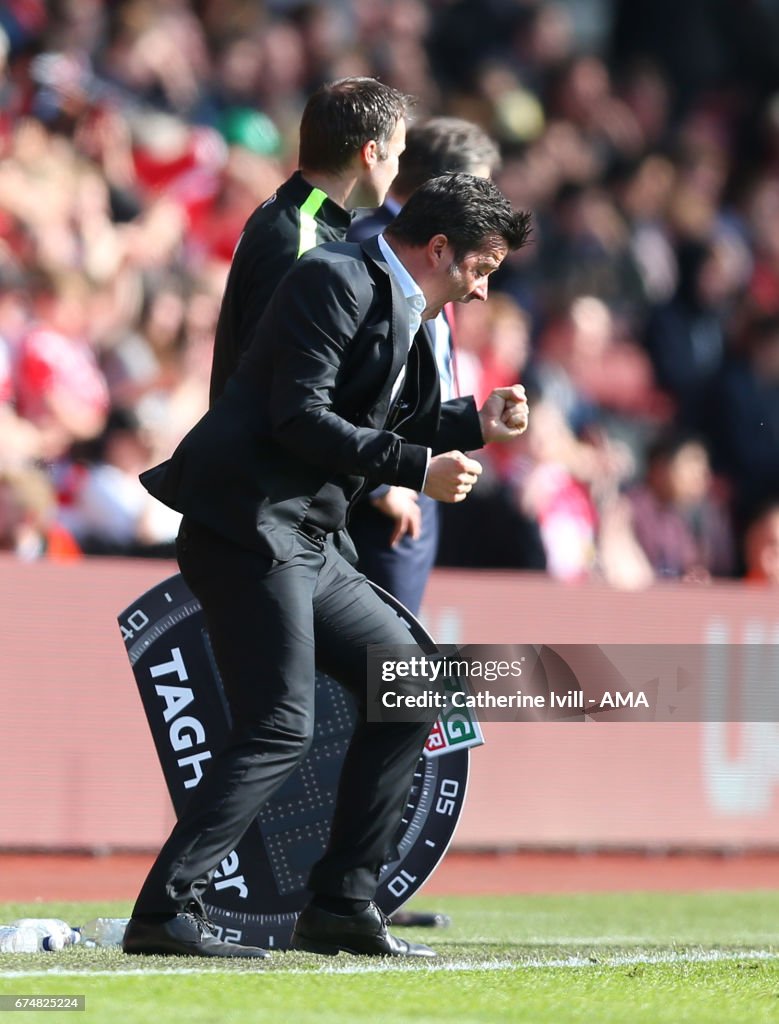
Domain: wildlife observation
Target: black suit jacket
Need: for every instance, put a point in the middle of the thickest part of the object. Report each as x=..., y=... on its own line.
x=305, y=417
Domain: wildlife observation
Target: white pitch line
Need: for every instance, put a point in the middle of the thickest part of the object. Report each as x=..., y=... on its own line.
x=622, y=960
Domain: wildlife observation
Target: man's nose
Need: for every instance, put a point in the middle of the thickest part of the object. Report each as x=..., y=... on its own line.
x=480, y=291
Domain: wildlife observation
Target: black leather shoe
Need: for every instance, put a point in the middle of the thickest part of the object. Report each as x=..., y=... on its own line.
x=364, y=934
x=183, y=935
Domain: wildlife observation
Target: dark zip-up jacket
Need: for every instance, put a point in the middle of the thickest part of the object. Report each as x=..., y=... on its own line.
x=296, y=218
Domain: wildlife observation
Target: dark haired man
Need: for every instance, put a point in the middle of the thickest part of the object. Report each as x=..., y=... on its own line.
x=351, y=135
x=339, y=384
x=440, y=145
x=395, y=530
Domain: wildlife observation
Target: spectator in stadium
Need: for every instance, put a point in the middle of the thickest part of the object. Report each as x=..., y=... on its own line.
x=21, y=440
x=747, y=447
x=145, y=360
x=588, y=367
x=761, y=547
x=762, y=223
x=550, y=473
x=678, y=519
x=59, y=386
x=110, y=512
x=351, y=136
x=27, y=517
x=263, y=481
x=686, y=337
x=587, y=246
x=160, y=53
x=394, y=529
x=643, y=189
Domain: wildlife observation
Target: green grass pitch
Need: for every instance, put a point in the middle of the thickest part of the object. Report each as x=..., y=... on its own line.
x=601, y=959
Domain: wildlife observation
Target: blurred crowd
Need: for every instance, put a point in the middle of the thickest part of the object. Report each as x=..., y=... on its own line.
x=136, y=138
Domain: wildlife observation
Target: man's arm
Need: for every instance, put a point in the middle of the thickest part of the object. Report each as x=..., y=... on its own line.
x=502, y=417
x=459, y=426
x=318, y=315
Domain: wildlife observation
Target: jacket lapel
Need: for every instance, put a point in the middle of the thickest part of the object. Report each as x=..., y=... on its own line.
x=398, y=317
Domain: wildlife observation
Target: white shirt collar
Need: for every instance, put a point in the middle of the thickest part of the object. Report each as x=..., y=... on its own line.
x=411, y=290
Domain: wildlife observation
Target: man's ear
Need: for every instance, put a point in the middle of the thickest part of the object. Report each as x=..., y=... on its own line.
x=370, y=153
x=437, y=248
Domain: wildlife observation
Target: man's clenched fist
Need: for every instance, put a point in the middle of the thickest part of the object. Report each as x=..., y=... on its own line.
x=504, y=415
x=451, y=476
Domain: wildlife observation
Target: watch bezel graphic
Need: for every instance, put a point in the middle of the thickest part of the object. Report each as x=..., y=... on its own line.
x=259, y=889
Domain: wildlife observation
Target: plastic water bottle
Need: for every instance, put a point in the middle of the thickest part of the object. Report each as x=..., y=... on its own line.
x=104, y=931
x=18, y=940
x=52, y=933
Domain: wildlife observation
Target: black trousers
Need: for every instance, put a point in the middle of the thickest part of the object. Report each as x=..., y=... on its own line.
x=271, y=625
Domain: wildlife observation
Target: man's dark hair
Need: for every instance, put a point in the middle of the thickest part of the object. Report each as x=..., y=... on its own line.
x=342, y=116
x=469, y=211
x=443, y=145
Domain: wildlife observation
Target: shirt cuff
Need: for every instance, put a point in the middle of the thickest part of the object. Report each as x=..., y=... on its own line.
x=427, y=467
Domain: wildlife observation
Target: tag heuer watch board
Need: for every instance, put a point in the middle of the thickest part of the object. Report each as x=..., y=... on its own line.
x=259, y=889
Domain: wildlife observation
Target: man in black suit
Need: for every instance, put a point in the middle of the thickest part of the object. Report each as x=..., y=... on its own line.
x=339, y=384
x=351, y=135
x=394, y=529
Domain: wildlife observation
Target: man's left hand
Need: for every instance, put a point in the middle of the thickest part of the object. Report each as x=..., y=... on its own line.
x=400, y=504
x=504, y=415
